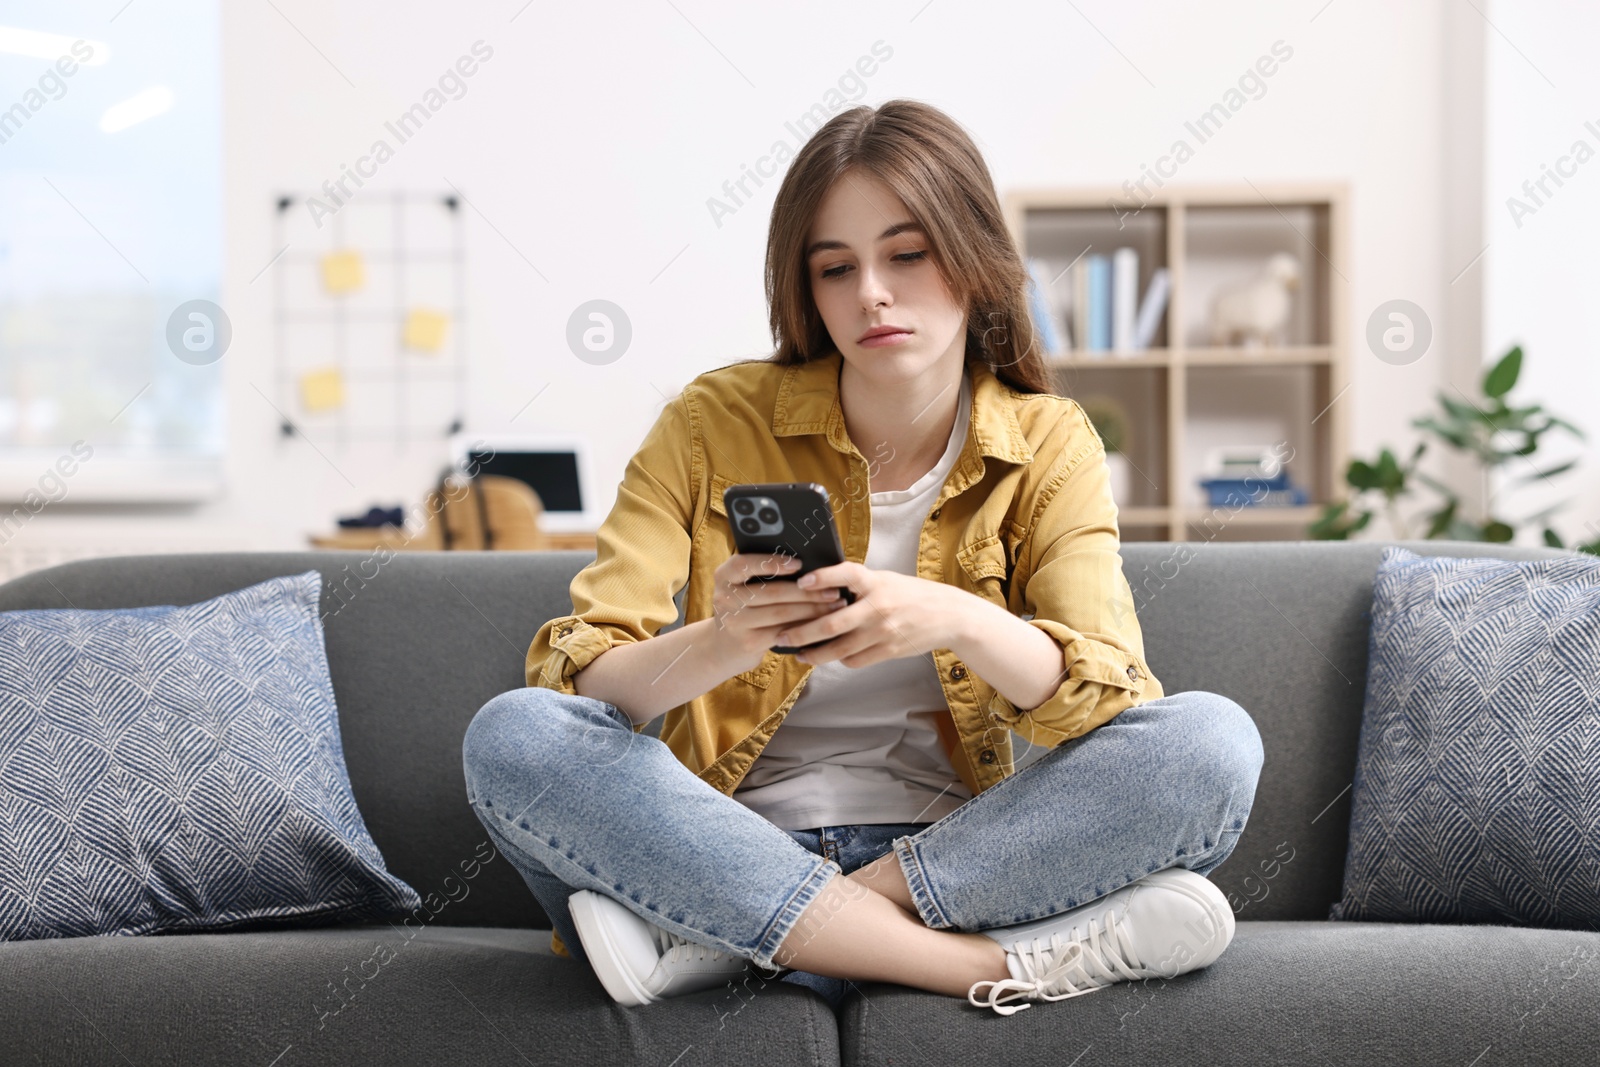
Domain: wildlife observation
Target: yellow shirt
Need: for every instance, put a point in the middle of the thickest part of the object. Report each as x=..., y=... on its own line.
x=1025, y=520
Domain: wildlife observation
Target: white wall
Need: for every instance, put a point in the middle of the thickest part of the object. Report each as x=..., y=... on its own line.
x=594, y=136
x=1543, y=274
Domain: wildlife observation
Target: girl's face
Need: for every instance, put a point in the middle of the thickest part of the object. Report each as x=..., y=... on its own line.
x=870, y=266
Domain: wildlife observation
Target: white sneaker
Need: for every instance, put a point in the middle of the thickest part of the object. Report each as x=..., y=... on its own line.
x=640, y=963
x=1167, y=923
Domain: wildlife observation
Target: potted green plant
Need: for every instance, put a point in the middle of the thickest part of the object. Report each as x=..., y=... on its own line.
x=1496, y=435
x=1110, y=420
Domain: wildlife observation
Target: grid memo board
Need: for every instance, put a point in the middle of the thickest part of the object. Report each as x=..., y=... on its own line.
x=384, y=359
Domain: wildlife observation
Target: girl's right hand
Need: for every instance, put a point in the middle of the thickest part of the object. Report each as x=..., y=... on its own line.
x=750, y=614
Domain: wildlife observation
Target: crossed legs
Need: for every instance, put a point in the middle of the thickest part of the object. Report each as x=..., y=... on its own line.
x=864, y=927
x=578, y=800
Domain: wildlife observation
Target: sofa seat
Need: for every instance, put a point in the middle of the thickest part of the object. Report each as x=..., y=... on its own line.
x=1284, y=992
x=467, y=995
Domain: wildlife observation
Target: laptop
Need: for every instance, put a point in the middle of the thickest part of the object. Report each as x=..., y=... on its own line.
x=556, y=467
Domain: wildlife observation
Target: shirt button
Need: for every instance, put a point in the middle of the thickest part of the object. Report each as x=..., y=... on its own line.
x=564, y=631
x=1133, y=673
x=958, y=672
x=934, y=514
x=987, y=755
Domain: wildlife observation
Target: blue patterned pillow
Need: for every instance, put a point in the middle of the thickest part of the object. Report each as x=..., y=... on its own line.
x=171, y=769
x=1477, y=786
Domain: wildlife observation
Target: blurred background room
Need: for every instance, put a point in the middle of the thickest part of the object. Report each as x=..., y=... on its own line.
x=277, y=274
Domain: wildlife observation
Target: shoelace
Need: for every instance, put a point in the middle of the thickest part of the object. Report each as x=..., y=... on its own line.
x=1050, y=969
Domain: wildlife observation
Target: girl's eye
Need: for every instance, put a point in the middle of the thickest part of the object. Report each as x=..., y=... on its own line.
x=908, y=257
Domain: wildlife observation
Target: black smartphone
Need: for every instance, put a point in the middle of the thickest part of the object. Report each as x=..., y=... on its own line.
x=791, y=518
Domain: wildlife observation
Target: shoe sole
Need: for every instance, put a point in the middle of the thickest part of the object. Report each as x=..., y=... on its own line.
x=1201, y=890
x=603, y=952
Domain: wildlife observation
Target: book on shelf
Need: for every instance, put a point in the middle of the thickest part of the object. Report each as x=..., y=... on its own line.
x=1044, y=306
x=1098, y=306
x=1106, y=315
x=1153, y=308
x=1124, y=299
x=1080, y=305
x=1277, y=492
x=1249, y=475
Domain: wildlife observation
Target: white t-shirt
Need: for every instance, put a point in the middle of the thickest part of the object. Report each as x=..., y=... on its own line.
x=859, y=744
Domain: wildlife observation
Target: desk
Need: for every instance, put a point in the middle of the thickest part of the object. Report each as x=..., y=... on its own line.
x=395, y=538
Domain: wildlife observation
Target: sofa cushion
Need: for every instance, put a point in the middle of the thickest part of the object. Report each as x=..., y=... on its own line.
x=1283, y=992
x=178, y=768
x=1477, y=786
x=397, y=995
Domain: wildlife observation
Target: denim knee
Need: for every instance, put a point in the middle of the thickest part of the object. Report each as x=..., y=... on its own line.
x=1220, y=728
x=1223, y=737
x=536, y=732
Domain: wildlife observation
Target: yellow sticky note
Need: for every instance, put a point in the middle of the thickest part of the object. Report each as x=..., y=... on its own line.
x=321, y=390
x=343, y=272
x=425, y=330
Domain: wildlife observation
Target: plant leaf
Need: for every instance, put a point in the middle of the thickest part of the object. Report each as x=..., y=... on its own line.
x=1361, y=475
x=1563, y=423
x=1440, y=520
x=1466, y=413
x=1503, y=375
x=1331, y=526
x=1453, y=436
x=1560, y=468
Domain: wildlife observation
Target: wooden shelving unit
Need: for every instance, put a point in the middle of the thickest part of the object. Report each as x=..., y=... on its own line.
x=1184, y=395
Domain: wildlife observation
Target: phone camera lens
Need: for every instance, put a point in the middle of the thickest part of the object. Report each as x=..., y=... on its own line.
x=769, y=515
x=749, y=526
x=743, y=506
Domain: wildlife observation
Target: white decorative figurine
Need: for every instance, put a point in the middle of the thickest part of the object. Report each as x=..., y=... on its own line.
x=1256, y=312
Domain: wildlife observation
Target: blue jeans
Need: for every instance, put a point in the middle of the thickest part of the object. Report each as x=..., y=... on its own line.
x=575, y=799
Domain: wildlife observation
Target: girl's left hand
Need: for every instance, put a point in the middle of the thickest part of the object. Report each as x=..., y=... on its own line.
x=894, y=615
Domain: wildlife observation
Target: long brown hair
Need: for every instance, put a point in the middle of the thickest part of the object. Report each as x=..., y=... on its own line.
x=937, y=171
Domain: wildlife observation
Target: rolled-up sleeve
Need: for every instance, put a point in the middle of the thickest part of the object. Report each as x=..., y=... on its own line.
x=1077, y=593
x=641, y=555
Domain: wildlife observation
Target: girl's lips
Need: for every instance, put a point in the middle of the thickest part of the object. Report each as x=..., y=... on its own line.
x=886, y=339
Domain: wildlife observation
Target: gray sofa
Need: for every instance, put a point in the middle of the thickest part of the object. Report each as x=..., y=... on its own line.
x=418, y=647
